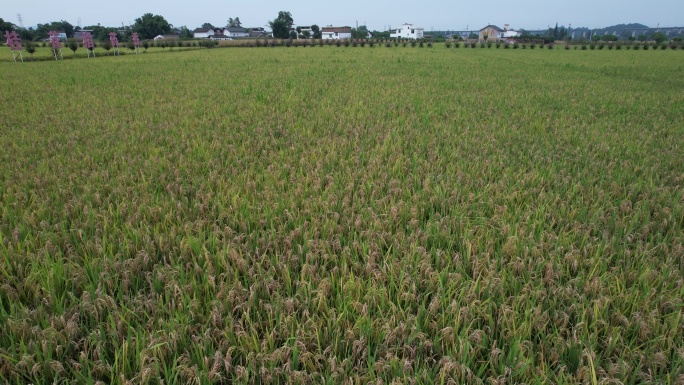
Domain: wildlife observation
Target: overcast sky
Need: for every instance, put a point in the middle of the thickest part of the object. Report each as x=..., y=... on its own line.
x=379, y=15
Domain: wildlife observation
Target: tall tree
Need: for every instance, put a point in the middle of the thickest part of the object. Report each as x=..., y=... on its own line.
x=207, y=25
x=185, y=33
x=6, y=26
x=148, y=26
x=281, y=25
x=234, y=23
x=555, y=32
x=316, y=31
x=360, y=33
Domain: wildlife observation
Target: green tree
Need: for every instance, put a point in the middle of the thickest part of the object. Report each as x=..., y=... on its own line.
x=73, y=45
x=525, y=34
x=609, y=38
x=148, y=26
x=208, y=25
x=473, y=35
x=30, y=48
x=185, y=33
x=659, y=37
x=234, y=23
x=65, y=26
x=596, y=38
x=360, y=33
x=6, y=26
x=642, y=38
x=281, y=25
x=316, y=32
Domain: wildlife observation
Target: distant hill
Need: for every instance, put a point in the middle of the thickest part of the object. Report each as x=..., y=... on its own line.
x=627, y=26
x=617, y=27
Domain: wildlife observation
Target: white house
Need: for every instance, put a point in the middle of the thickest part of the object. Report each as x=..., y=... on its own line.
x=235, y=32
x=202, y=33
x=408, y=31
x=336, y=33
x=509, y=33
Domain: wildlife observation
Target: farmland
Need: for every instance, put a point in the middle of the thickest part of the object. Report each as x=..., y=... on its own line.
x=343, y=215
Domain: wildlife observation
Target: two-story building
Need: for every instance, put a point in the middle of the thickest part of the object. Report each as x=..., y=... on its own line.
x=408, y=31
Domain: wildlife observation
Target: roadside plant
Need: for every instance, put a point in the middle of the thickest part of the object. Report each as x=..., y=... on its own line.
x=550, y=46
x=516, y=45
x=107, y=46
x=73, y=46
x=497, y=44
x=30, y=48
x=447, y=44
x=533, y=46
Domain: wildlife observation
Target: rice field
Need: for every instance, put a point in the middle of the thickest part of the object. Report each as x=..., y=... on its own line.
x=343, y=215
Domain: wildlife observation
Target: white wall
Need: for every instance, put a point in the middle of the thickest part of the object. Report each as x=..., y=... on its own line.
x=408, y=31
x=199, y=35
x=334, y=36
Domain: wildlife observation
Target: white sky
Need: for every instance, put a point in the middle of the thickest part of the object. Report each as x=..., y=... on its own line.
x=378, y=15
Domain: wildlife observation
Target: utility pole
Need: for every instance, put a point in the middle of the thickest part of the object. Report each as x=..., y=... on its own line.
x=21, y=21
